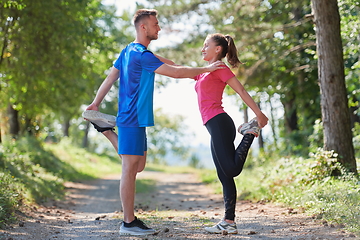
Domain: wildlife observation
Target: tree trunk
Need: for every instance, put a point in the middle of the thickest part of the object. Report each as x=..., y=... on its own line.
x=246, y=114
x=14, y=125
x=85, y=142
x=272, y=123
x=260, y=138
x=334, y=102
x=290, y=113
x=65, y=127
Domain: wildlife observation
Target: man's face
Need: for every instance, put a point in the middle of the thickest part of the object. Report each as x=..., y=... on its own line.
x=152, y=27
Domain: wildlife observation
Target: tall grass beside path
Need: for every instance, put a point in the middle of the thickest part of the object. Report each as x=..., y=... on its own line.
x=304, y=184
x=34, y=172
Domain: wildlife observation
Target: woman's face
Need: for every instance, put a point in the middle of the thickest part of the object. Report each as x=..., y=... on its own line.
x=210, y=51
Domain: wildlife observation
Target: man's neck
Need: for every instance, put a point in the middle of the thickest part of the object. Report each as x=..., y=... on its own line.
x=142, y=41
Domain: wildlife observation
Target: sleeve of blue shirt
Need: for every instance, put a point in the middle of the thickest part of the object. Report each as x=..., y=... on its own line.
x=150, y=62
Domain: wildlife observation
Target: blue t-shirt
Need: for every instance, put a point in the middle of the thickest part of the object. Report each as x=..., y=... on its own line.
x=136, y=65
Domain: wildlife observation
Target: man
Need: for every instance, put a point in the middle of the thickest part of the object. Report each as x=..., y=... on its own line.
x=136, y=68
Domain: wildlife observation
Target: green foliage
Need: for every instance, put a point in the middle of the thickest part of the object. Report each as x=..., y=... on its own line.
x=275, y=40
x=210, y=177
x=10, y=196
x=350, y=27
x=309, y=184
x=323, y=164
x=83, y=164
x=167, y=136
x=356, y=139
x=145, y=185
x=317, y=138
x=33, y=172
x=195, y=162
x=48, y=51
x=38, y=171
x=164, y=168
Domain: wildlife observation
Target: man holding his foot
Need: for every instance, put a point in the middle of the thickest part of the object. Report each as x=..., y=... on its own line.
x=135, y=68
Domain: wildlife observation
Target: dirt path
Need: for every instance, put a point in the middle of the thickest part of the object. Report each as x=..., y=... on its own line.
x=179, y=209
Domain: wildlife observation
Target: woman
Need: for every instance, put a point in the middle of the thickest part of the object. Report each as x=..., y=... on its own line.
x=228, y=160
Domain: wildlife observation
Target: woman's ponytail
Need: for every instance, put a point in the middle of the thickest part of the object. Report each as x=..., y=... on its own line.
x=231, y=55
x=228, y=48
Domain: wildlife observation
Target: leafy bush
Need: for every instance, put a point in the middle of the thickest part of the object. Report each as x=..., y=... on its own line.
x=318, y=184
x=317, y=138
x=356, y=139
x=10, y=197
x=323, y=164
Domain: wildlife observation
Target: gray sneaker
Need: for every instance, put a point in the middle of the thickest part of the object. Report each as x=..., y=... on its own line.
x=100, y=119
x=135, y=228
x=222, y=227
x=251, y=127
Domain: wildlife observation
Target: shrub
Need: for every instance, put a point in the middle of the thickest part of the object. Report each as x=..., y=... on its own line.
x=309, y=184
x=10, y=197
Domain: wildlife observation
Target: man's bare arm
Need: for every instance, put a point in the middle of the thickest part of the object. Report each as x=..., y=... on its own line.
x=165, y=60
x=104, y=88
x=187, y=72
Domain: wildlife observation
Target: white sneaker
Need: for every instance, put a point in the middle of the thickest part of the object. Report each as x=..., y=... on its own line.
x=223, y=226
x=251, y=127
x=100, y=119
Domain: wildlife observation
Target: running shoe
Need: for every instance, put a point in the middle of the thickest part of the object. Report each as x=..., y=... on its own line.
x=135, y=228
x=101, y=120
x=223, y=226
x=251, y=127
x=102, y=129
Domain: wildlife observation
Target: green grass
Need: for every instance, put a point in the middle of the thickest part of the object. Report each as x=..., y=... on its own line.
x=170, y=169
x=82, y=164
x=145, y=185
x=307, y=184
x=34, y=172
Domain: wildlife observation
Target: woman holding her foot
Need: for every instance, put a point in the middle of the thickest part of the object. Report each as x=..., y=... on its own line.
x=229, y=161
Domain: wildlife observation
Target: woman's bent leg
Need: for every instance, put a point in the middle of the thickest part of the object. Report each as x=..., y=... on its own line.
x=242, y=151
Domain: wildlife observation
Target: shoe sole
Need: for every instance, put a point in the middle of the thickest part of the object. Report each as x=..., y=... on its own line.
x=220, y=232
x=249, y=129
x=136, y=233
x=100, y=119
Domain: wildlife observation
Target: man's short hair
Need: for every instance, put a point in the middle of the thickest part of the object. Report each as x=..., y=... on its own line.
x=143, y=13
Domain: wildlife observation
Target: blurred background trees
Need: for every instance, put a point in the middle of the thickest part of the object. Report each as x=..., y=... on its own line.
x=54, y=55
x=277, y=42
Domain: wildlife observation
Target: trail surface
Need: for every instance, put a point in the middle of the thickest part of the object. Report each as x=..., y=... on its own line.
x=179, y=209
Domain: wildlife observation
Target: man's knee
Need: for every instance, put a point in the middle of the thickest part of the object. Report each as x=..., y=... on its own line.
x=142, y=162
x=141, y=167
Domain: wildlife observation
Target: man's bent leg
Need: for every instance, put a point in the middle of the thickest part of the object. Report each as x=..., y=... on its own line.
x=113, y=138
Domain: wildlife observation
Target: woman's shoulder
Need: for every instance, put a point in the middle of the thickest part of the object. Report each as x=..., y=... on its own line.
x=224, y=73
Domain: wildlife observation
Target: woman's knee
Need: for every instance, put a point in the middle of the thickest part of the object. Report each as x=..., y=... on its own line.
x=231, y=172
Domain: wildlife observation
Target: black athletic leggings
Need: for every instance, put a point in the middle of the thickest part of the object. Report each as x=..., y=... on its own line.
x=229, y=161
